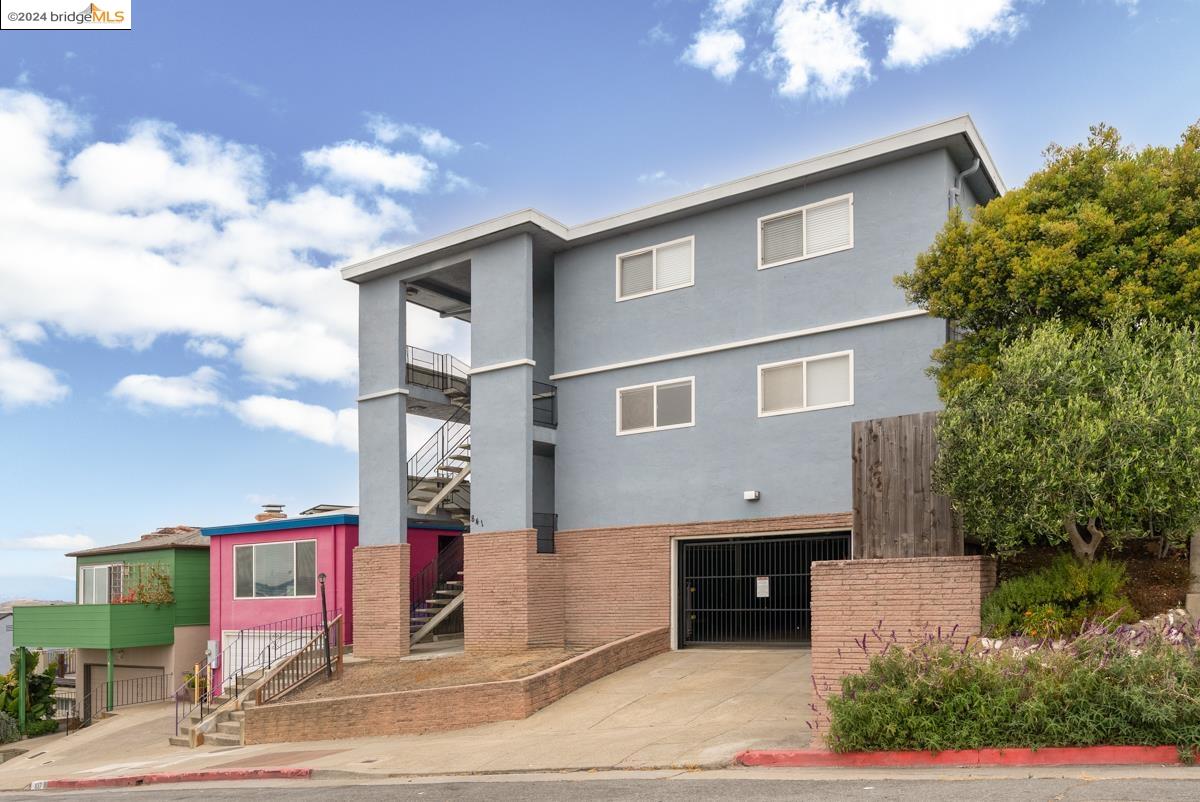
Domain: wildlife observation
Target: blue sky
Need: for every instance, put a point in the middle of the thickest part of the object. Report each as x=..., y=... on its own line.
x=175, y=344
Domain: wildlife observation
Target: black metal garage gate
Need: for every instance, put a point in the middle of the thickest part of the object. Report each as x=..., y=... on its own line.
x=753, y=590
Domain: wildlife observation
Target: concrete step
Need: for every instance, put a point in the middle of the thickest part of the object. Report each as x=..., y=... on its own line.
x=179, y=740
x=451, y=592
x=222, y=739
x=230, y=728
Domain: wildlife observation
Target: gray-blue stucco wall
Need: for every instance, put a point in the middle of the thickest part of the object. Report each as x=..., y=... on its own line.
x=799, y=462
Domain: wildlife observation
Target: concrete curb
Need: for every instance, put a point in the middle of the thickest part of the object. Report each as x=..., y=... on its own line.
x=210, y=775
x=1046, y=756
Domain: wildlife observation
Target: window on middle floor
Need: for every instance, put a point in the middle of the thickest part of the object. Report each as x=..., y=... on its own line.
x=268, y=570
x=652, y=407
x=655, y=269
x=801, y=385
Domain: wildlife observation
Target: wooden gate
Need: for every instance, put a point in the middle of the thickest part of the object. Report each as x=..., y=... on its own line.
x=896, y=512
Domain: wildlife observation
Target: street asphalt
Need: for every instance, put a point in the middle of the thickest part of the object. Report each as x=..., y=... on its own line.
x=668, y=790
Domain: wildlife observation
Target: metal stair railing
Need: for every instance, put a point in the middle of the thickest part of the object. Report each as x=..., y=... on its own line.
x=428, y=461
x=442, y=372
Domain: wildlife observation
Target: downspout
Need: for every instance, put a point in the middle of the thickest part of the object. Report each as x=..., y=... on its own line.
x=956, y=189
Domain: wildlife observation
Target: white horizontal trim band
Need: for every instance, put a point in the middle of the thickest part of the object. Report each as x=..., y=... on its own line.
x=502, y=365
x=770, y=338
x=382, y=394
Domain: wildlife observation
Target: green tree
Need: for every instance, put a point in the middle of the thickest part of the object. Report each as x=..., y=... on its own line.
x=1078, y=437
x=1099, y=234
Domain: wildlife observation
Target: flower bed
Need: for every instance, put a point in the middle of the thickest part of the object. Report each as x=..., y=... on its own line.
x=1131, y=684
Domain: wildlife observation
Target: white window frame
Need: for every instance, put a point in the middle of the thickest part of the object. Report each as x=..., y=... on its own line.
x=653, y=250
x=254, y=566
x=107, y=581
x=804, y=240
x=805, y=360
x=656, y=428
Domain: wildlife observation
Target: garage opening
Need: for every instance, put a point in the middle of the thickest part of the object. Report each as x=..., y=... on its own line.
x=751, y=590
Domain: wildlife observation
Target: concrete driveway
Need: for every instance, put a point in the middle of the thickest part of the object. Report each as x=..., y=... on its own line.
x=697, y=707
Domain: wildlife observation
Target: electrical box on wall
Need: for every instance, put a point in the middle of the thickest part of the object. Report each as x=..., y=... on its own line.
x=750, y=495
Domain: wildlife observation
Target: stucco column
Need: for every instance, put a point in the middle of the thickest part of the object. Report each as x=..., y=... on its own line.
x=501, y=386
x=1193, y=595
x=382, y=413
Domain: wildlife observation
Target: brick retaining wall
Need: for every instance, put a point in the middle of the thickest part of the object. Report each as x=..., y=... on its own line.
x=439, y=709
x=913, y=597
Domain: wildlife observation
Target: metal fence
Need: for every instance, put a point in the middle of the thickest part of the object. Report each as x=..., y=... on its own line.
x=444, y=372
x=545, y=404
x=546, y=524
x=107, y=696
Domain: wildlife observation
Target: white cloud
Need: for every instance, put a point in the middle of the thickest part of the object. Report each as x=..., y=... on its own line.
x=369, y=166
x=26, y=383
x=730, y=11
x=658, y=35
x=339, y=428
x=924, y=30
x=817, y=49
x=718, y=51
x=431, y=140
x=94, y=249
x=197, y=389
x=454, y=182
x=210, y=349
x=49, y=543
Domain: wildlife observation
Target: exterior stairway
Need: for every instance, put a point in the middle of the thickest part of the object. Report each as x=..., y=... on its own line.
x=445, y=599
x=446, y=486
x=226, y=729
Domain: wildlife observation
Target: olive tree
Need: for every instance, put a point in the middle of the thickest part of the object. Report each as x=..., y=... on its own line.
x=1079, y=437
x=1100, y=233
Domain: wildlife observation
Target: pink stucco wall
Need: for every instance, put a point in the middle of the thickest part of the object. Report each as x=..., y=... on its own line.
x=335, y=545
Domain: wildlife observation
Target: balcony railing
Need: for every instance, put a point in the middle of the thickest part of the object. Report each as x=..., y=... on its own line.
x=545, y=404
x=444, y=372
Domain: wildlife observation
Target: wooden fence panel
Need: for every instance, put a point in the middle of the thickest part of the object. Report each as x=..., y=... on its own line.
x=896, y=512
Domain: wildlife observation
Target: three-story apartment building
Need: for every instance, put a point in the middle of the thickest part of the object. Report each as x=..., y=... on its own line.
x=655, y=428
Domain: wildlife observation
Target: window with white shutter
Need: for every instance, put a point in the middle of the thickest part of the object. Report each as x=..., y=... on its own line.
x=652, y=407
x=655, y=269
x=813, y=230
x=802, y=385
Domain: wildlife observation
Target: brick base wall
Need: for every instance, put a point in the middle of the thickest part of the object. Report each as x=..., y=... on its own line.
x=439, y=709
x=514, y=596
x=854, y=600
x=381, y=603
x=618, y=579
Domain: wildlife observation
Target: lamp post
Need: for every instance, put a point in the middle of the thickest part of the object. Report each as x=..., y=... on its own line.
x=325, y=626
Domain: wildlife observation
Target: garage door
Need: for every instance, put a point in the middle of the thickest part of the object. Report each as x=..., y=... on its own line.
x=754, y=590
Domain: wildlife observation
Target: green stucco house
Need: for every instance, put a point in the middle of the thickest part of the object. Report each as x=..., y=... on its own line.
x=140, y=617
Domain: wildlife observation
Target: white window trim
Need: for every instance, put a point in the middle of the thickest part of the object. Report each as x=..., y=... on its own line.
x=254, y=565
x=805, y=360
x=653, y=250
x=804, y=239
x=107, y=581
x=689, y=379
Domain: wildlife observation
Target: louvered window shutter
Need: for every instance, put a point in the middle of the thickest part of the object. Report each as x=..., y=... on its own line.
x=782, y=238
x=637, y=274
x=827, y=228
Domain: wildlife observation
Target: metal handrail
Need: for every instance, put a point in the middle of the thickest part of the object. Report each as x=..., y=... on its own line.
x=435, y=574
x=545, y=404
x=437, y=371
x=427, y=461
x=241, y=656
x=301, y=665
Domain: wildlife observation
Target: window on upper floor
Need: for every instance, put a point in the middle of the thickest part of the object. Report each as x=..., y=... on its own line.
x=656, y=269
x=813, y=230
x=802, y=385
x=271, y=570
x=653, y=407
x=100, y=584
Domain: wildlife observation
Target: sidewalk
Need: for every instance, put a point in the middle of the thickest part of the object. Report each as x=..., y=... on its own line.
x=682, y=709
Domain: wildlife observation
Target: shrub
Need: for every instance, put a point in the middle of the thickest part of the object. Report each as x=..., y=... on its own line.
x=1128, y=685
x=45, y=727
x=1058, y=599
x=9, y=729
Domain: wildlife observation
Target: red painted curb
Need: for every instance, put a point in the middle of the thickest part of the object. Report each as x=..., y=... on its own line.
x=179, y=777
x=1047, y=756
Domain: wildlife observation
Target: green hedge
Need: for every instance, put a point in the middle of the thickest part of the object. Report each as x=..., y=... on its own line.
x=1058, y=599
x=1128, y=686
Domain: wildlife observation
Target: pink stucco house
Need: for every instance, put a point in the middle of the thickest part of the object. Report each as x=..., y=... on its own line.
x=264, y=575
